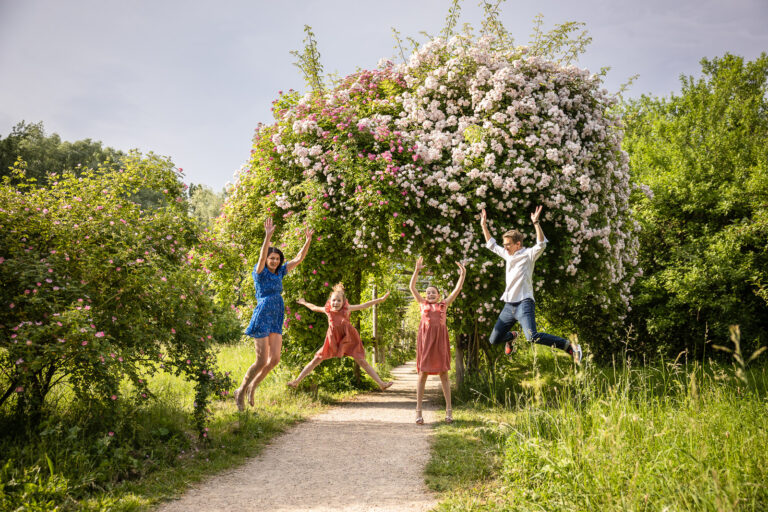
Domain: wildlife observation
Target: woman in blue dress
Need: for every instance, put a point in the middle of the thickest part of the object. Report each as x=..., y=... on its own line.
x=266, y=325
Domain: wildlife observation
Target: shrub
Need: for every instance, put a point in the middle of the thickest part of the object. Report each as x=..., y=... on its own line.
x=97, y=290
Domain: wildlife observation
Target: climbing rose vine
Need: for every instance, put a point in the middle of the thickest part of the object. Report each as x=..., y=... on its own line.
x=399, y=161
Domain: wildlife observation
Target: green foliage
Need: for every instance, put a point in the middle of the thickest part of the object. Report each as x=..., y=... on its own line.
x=671, y=436
x=97, y=290
x=702, y=159
x=205, y=204
x=44, y=154
x=308, y=61
x=148, y=452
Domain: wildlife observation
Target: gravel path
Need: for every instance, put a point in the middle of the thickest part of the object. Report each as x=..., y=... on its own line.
x=363, y=455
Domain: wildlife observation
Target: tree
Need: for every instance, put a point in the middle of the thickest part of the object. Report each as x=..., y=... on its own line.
x=702, y=158
x=205, y=204
x=45, y=154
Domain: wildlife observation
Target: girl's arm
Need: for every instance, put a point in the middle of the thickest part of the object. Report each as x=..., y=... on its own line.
x=365, y=305
x=311, y=307
x=269, y=228
x=412, y=286
x=459, y=284
x=302, y=253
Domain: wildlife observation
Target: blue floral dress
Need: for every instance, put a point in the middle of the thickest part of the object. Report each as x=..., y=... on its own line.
x=270, y=309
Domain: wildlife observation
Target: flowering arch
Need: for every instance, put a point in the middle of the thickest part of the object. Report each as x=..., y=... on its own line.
x=400, y=160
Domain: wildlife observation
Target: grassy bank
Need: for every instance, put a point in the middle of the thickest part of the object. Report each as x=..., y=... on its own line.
x=80, y=461
x=669, y=436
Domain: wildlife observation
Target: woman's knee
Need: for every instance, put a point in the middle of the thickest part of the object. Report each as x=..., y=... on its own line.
x=273, y=361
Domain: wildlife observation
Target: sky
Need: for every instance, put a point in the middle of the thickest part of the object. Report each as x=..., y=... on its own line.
x=192, y=79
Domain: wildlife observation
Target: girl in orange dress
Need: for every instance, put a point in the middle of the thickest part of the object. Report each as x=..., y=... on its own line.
x=342, y=339
x=433, y=348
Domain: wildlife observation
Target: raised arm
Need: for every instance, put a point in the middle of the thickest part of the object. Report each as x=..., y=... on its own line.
x=303, y=252
x=365, y=305
x=535, y=219
x=412, y=286
x=312, y=307
x=269, y=228
x=459, y=284
x=484, y=225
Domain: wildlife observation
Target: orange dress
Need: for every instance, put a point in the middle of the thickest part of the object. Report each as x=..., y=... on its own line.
x=433, y=348
x=342, y=339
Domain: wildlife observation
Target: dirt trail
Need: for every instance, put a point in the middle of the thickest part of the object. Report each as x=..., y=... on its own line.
x=363, y=455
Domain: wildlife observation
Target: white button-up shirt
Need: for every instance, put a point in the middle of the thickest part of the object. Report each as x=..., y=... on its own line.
x=519, y=269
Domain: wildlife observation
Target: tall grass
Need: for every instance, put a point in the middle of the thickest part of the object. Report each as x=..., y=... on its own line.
x=674, y=435
x=82, y=460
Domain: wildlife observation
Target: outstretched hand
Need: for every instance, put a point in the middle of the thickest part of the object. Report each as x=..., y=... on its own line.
x=462, y=268
x=536, y=213
x=419, y=264
x=308, y=233
x=301, y=301
x=384, y=297
x=483, y=217
x=269, y=227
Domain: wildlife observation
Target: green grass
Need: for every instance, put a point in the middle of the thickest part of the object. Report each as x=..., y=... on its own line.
x=154, y=453
x=670, y=436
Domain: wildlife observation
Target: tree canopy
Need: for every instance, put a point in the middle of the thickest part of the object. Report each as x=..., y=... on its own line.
x=702, y=157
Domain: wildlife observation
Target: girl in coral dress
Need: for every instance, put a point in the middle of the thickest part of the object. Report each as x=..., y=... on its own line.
x=341, y=339
x=433, y=348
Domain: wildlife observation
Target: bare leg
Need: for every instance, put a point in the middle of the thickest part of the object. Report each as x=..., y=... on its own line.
x=261, y=345
x=306, y=371
x=420, y=385
x=370, y=371
x=275, y=343
x=446, y=384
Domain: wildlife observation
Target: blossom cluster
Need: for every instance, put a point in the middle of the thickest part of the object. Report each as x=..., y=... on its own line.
x=402, y=159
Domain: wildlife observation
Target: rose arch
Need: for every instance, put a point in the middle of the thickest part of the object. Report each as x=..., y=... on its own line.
x=398, y=161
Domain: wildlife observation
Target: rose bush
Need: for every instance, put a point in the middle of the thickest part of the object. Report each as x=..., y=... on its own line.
x=398, y=161
x=97, y=290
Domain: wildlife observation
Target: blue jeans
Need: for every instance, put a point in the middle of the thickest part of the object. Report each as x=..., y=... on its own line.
x=523, y=312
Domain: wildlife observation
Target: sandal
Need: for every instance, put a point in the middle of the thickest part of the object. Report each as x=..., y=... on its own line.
x=449, y=416
x=419, y=418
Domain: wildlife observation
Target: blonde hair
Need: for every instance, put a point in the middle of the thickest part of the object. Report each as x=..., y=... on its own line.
x=338, y=288
x=514, y=235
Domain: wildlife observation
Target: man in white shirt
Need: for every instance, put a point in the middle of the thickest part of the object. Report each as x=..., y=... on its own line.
x=518, y=300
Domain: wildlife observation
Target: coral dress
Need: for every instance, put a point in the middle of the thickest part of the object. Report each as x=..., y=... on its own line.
x=342, y=339
x=433, y=349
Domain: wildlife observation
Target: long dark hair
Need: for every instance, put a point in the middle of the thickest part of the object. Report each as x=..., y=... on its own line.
x=275, y=250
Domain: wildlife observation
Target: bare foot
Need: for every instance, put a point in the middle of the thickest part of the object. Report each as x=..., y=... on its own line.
x=386, y=385
x=239, y=400
x=293, y=384
x=251, y=393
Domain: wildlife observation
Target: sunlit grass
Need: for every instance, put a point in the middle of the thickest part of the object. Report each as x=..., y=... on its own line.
x=153, y=452
x=668, y=436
